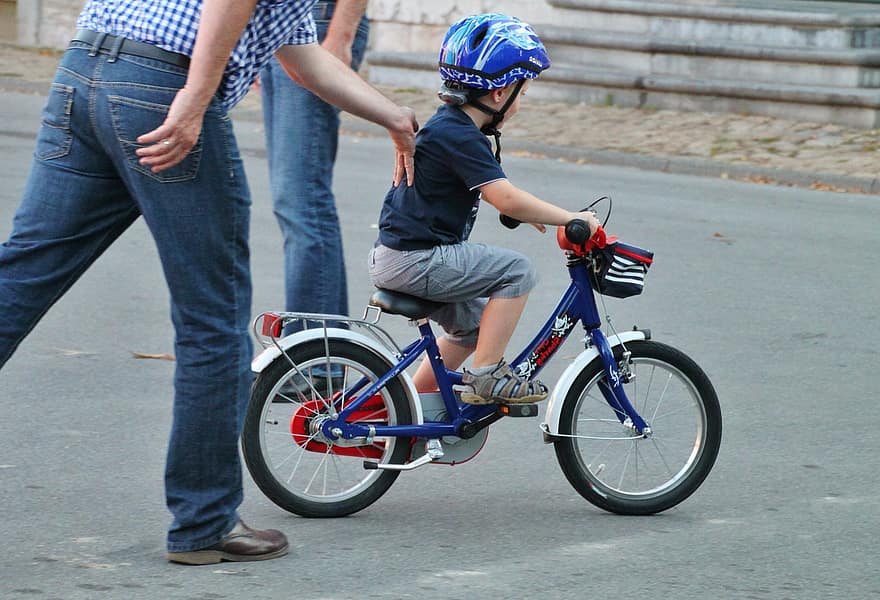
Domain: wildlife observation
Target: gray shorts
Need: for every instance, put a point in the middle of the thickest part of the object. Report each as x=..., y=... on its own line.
x=464, y=276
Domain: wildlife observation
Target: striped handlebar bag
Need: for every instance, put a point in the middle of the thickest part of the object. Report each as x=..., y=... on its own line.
x=619, y=269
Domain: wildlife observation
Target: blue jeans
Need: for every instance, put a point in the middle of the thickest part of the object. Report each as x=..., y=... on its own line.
x=85, y=188
x=302, y=132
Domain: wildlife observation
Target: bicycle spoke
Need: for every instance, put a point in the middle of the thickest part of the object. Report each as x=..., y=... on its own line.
x=647, y=392
x=601, y=401
x=317, y=470
x=670, y=413
x=662, y=397
x=623, y=469
x=656, y=444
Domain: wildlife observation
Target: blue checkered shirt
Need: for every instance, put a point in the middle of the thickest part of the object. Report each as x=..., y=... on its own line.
x=172, y=25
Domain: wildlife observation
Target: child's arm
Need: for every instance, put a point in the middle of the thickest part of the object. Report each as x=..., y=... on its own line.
x=523, y=206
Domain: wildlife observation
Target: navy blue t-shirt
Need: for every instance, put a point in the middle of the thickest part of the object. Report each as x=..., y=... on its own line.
x=453, y=158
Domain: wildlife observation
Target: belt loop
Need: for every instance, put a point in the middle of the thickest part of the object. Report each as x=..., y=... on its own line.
x=97, y=45
x=114, y=50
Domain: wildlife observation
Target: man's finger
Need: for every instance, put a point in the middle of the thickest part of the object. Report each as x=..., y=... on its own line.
x=409, y=166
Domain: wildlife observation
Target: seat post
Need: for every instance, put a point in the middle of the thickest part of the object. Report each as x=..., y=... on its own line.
x=424, y=326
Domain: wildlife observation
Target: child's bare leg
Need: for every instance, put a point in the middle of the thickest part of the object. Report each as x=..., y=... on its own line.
x=496, y=328
x=488, y=381
x=453, y=355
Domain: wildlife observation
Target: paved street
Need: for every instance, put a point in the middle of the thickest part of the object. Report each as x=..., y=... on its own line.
x=772, y=290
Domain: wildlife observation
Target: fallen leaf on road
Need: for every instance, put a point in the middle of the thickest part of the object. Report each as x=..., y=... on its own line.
x=826, y=187
x=153, y=356
x=760, y=179
x=71, y=352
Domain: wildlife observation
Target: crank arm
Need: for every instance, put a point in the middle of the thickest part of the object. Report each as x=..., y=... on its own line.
x=434, y=451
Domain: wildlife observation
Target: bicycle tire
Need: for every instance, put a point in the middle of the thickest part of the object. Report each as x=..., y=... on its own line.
x=300, y=474
x=615, y=468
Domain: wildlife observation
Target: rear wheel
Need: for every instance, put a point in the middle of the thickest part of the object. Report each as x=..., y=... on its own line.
x=289, y=458
x=617, y=469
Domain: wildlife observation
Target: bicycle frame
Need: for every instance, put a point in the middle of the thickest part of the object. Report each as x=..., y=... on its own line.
x=578, y=304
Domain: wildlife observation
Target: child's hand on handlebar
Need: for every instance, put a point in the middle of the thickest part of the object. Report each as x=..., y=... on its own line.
x=590, y=217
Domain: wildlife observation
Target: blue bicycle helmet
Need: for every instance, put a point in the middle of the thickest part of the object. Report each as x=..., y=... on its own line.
x=491, y=51
x=485, y=52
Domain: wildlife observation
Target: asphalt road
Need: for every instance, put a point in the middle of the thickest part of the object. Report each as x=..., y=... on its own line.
x=772, y=290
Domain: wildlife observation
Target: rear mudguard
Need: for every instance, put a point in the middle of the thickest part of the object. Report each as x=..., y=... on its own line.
x=265, y=358
x=550, y=426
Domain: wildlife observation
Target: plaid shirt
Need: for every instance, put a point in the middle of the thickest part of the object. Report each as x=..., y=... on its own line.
x=172, y=25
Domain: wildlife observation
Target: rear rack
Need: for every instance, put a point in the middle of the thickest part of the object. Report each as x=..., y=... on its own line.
x=268, y=327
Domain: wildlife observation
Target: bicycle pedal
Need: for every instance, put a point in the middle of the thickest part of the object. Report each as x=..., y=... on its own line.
x=518, y=410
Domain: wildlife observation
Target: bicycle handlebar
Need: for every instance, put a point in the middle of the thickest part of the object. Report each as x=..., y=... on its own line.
x=575, y=237
x=509, y=222
x=577, y=231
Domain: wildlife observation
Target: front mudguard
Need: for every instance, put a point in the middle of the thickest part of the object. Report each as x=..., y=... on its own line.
x=550, y=426
x=265, y=358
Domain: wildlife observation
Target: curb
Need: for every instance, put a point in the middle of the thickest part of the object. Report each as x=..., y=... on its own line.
x=666, y=164
x=677, y=165
x=707, y=168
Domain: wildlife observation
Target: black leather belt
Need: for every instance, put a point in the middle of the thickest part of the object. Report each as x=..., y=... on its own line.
x=120, y=45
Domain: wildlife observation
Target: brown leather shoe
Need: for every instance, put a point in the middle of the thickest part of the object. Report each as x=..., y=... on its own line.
x=240, y=545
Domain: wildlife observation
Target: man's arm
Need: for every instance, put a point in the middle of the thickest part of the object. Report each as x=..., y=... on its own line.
x=326, y=76
x=220, y=27
x=343, y=28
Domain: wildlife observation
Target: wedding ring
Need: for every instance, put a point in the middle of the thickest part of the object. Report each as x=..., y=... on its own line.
x=166, y=142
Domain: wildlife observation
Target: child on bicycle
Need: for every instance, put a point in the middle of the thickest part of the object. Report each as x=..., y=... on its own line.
x=486, y=63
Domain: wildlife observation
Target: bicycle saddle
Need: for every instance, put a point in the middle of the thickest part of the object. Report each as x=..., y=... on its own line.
x=398, y=303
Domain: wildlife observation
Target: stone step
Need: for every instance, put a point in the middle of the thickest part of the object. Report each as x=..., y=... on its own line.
x=787, y=24
x=711, y=60
x=782, y=23
x=851, y=106
x=803, y=59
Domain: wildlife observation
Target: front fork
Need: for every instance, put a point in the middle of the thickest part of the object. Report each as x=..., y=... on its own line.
x=612, y=388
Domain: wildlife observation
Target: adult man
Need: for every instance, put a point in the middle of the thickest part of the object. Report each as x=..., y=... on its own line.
x=298, y=123
x=136, y=124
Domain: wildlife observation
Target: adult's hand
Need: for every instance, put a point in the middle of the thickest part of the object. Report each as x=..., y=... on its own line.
x=169, y=143
x=404, y=138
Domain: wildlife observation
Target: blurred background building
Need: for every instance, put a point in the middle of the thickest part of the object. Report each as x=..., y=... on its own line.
x=803, y=59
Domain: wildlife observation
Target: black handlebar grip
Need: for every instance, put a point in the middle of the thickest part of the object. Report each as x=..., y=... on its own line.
x=509, y=222
x=577, y=231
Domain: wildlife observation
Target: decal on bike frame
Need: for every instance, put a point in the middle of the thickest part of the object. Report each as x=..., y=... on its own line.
x=542, y=353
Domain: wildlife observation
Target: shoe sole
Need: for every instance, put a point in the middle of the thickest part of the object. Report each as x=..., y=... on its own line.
x=212, y=557
x=469, y=398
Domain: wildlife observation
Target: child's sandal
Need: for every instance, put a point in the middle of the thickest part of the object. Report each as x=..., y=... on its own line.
x=500, y=385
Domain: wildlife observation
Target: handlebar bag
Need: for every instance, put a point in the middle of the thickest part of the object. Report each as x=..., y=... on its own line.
x=619, y=269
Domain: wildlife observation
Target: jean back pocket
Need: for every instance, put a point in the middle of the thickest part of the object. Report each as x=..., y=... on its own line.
x=133, y=118
x=56, y=137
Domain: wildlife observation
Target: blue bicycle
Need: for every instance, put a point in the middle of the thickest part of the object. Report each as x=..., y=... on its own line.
x=334, y=417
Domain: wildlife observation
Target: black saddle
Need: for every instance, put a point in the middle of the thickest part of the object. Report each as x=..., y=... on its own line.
x=398, y=303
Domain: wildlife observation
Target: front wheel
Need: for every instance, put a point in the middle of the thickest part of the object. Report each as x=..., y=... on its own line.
x=612, y=465
x=286, y=453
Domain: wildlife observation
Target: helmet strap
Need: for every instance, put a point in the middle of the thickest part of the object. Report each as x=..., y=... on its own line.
x=491, y=128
